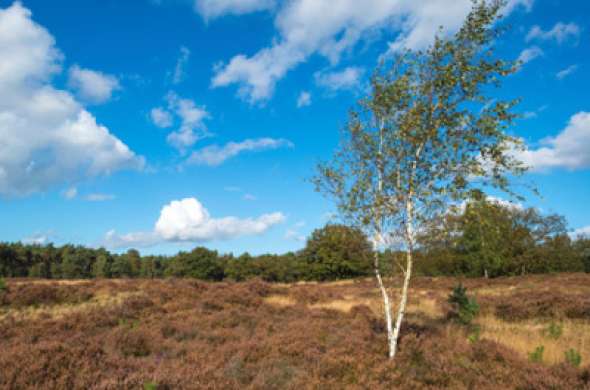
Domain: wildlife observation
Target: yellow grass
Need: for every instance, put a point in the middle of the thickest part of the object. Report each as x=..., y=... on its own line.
x=524, y=337
x=61, y=311
x=280, y=300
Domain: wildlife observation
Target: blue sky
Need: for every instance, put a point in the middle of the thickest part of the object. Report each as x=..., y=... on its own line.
x=166, y=124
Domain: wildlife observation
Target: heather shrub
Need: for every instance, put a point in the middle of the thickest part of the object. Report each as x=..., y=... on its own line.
x=133, y=343
x=537, y=355
x=573, y=357
x=465, y=309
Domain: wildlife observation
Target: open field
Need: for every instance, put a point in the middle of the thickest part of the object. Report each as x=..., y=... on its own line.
x=190, y=334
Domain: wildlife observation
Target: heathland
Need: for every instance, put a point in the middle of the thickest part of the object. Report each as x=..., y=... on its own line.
x=531, y=332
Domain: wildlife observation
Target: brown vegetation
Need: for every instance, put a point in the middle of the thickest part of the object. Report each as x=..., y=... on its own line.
x=188, y=334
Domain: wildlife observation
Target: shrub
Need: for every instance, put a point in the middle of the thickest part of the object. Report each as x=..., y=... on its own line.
x=537, y=355
x=554, y=331
x=573, y=357
x=465, y=309
x=3, y=287
x=474, y=334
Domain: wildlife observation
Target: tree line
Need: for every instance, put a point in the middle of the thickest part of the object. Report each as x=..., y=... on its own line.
x=479, y=238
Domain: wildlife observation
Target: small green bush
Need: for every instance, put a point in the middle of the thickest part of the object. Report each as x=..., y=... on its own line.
x=150, y=386
x=554, y=331
x=473, y=336
x=465, y=309
x=573, y=357
x=537, y=355
x=3, y=287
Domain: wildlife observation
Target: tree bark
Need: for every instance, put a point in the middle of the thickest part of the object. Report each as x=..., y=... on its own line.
x=401, y=311
x=384, y=295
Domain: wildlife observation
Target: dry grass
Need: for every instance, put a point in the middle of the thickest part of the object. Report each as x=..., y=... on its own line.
x=524, y=337
x=280, y=301
x=101, y=299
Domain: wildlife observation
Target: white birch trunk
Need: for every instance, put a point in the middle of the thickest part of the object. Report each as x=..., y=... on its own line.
x=401, y=311
x=384, y=295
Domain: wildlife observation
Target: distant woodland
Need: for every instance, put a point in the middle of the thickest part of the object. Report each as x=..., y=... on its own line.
x=481, y=238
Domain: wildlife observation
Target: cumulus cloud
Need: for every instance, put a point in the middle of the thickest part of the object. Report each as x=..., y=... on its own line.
x=187, y=220
x=46, y=136
x=562, y=74
x=37, y=239
x=570, y=149
x=304, y=99
x=529, y=54
x=332, y=28
x=192, y=127
x=192, y=121
x=345, y=79
x=583, y=232
x=210, y=9
x=92, y=86
x=560, y=33
x=160, y=117
x=179, y=69
x=214, y=155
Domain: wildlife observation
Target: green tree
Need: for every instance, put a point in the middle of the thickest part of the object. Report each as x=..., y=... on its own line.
x=200, y=263
x=121, y=267
x=102, y=266
x=134, y=259
x=337, y=252
x=72, y=266
x=427, y=135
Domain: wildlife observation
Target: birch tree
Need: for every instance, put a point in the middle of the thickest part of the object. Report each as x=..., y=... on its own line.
x=427, y=135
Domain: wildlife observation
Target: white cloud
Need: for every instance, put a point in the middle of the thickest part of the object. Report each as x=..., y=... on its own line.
x=304, y=99
x=249, y=197
x=192, y=128
x=192, y=118
x=36, y=239
x=348, y=78
x=92, y=86
x=566, y=72
x=583, y=232
x=535, y=113
x=505, y=203
x=46, y=136
x=187, y=220
x=99, y=197
x=332, y=28
x=160, y=117
x=214, y=155
x=570, y=149
x=210, y=9
x=529, y=54
x=70, y=193
x=560, y=33
x=292, y=234
x=512, y=4
x=179, y=69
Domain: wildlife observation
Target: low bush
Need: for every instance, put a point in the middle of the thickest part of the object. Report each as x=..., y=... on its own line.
x=573, y=357
x=537, y=355
x=554, y=331
x=464, y=308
